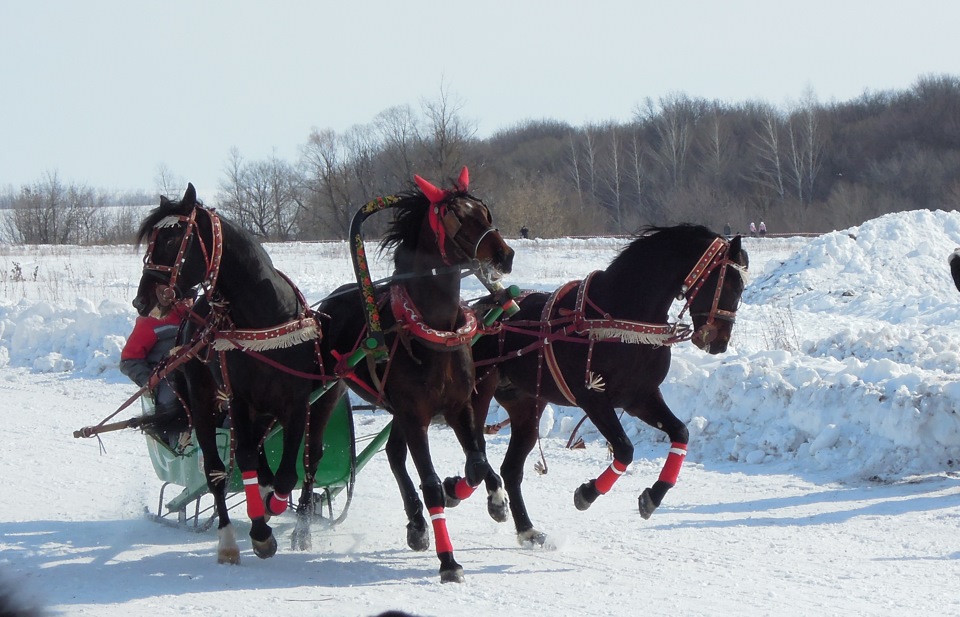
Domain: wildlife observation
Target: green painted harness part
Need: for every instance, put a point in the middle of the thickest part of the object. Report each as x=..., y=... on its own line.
x=374, y=344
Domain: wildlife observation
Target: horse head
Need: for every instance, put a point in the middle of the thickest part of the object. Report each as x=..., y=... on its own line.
x=713, y=291
x=463, y=228
x=179, y=255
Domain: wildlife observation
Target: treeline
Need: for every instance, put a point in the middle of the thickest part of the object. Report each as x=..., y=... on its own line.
x=810, y=168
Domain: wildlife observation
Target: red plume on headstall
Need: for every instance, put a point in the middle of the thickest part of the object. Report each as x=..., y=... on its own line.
x=438, y=211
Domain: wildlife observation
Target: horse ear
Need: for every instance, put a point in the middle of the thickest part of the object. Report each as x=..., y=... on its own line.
x=431, y=192
x=164, y=202
x=190, y=195
x=735, y=245
x=463, y=182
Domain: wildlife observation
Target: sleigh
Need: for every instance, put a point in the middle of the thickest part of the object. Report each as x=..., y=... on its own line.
x=181, y=465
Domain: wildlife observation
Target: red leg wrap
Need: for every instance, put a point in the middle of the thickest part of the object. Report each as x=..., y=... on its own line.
x=439, y=520
x=278, y=504
x=671, y=468
x=610, y=475
x=463, y=489
x=252, y=490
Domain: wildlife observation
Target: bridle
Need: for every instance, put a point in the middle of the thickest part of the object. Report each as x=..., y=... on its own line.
x=212, y=254
x=442, y=216
x=716, y=256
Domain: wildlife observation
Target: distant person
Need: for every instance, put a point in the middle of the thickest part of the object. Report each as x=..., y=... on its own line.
x=524, y=232
x=753, y=230
x=763, y=229
x=727, y=233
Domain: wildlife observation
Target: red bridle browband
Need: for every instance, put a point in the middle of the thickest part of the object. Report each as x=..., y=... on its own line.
x=212, y=255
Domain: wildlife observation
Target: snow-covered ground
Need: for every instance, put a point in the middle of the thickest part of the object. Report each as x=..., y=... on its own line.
x=820, y=480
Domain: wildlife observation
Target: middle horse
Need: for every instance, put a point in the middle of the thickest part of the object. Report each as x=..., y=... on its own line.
x=604, y=343
x=436, y=235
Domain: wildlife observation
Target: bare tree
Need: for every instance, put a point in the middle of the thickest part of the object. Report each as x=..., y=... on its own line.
x=399, y=132
x=574, y=167
x=768, y=171
x=446, y=134
x=263, y=197
x=46, y=212
x=674, y=118
x=327, y=182
x=169, y=184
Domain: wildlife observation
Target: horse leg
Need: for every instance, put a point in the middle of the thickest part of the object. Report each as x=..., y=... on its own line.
x=656, y=413
x=320, y=413
x=524, y=413
x=468, y=428
x=285, y=479
x=417, y=443
x=201, y=391
x=605, y=419
x=418, y=538
x=247, y=459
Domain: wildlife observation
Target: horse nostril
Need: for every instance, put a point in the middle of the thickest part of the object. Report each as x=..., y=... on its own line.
x=506, y=260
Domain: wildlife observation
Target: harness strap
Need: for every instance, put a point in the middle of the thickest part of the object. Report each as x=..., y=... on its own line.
x=547, y=355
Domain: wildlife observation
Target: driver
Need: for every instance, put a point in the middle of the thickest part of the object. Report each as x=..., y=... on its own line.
x=151, y=340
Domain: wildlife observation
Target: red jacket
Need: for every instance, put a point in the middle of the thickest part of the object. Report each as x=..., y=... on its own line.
x=151, y=340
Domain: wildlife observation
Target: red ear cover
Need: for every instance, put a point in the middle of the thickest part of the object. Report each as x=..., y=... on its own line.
x=432, y=193
x=463, y=182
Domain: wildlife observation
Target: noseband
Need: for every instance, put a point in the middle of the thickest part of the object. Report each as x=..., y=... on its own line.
x=714, y=257
x=212, y=254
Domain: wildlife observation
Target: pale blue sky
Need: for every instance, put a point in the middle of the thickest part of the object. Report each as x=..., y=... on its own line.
x=105, y=92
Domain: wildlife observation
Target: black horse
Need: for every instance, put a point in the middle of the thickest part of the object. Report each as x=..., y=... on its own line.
x=255, y=357
x=604, y=343
x=435, y=236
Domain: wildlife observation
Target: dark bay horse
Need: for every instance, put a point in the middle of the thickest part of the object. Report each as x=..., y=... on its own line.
x=435, y=235
x=255, y=347
x=604, y=343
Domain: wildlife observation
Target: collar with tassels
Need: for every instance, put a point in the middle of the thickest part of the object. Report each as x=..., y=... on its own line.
x=409, y=316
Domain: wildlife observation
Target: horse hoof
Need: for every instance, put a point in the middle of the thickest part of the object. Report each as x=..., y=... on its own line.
x=417, y=537
x=585, y=495
x=646, y=504
x=532, y=538
x=498, y=506
x=265, y=549
x=452, y=575
x=227, y=550
x=229, y=557
x=449, y=492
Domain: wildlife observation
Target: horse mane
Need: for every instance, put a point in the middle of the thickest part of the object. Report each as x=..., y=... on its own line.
x=172, y=207
x=652, y=242
x=405, y=231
